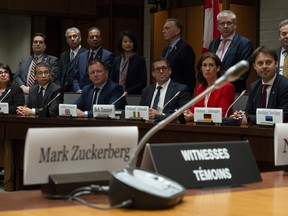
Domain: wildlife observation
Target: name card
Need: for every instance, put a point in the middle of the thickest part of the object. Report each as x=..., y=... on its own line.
x=103, y=111
x=269, y=116
x=71, y=150
x=208, y=114
x=203, y=164
x=69, y=110
x=4, y=108
x=137, y=112
x=281, y=144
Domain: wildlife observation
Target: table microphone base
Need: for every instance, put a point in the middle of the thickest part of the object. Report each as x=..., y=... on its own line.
x=145, y=189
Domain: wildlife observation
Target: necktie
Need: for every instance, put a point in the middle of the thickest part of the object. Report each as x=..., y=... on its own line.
x=156, y=99
x=285, y=65
x=168, y=51
x=40, y=97
x=222, y=50
x=91, y=56
x=31, y=80
x=264, y=95
x=71, y=56
x=94, y=100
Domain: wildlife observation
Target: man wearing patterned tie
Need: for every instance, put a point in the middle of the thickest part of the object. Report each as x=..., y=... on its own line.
x=68, y=57
x=179, y=54
x=272, y=86
x=96, y=51
x=165, y=95
x=282, y=52
x=24, y=74
x=231, y=47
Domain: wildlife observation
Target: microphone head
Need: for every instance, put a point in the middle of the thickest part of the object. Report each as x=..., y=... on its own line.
x=237, y=70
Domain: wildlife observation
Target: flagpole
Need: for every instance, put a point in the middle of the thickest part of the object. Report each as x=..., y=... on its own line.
x=225, y=4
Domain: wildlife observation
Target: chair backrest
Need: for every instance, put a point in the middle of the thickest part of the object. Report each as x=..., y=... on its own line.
x=133, y=99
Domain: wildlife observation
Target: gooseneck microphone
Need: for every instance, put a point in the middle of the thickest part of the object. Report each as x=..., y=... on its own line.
x=170, y=100
x=123, y=95
x=242, y=93
x=44, y=112
x=148, y=190
x=5, y=95
x=51, y=101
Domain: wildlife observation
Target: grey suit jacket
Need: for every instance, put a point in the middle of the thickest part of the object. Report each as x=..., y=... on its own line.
x=21, y=73
x=50, y=93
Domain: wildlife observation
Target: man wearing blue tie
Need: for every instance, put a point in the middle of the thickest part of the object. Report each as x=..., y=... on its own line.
x=101, y=91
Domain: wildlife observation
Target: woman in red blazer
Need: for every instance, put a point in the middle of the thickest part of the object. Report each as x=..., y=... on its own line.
x=209, y=68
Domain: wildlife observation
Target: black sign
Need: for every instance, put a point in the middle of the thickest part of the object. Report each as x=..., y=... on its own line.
x=203, y=164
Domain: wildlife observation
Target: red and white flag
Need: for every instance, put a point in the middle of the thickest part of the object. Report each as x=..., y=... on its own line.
x=210, y=23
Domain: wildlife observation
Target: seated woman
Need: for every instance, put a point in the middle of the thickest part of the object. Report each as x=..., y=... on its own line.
x=10, y=93
x=209, y=68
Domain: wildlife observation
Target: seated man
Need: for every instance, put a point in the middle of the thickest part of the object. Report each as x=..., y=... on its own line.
x=163, y=97
x=101, y=91
x=273, y=85
x=44, y=94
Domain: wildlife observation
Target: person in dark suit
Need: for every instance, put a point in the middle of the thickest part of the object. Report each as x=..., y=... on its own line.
x=81, y=77
x=282, y=51
x=231, y=47
x=24, y=74
x=68, y=57
x=101, y=91
x=9, y=92
x=172, y=95
x=209, y=68
x=129, y=69
x=45, y=95
x=179, y=54
x=265, y=63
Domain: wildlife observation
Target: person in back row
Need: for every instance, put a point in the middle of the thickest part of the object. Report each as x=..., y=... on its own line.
x=165, y=96
x=209, y=69
x=101, y=91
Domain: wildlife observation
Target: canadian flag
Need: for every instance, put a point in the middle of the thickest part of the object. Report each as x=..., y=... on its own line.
x=210, y=23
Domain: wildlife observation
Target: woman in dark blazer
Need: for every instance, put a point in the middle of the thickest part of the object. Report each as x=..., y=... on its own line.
x=10, y=93
x=129, y=69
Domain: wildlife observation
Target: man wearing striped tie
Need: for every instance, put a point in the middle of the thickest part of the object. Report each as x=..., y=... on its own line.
x=24, y=74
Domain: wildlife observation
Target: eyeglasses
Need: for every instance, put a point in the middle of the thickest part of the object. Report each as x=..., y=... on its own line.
x=41, y=73
x=164, y=69
x=223, y=24
x=3, y=73
x=72, y=37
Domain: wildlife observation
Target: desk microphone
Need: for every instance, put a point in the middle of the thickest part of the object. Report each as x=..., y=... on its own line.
x=44, y=112
x=148, y=190
x=242, y=93
x=170, y=100
x=123, y=95
x=5, y=95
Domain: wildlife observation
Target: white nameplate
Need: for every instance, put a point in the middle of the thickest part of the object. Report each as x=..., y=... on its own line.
x=208, y=114
x=69, y=110
x=281, y=144
x=269, y=116
x=4, y=108
x=101, y=111
x=137, y=112
x=76, y=150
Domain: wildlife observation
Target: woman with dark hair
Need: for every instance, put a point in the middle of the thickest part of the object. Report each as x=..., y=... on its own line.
x=209, y=68
x=9, y=92
x=129, y=69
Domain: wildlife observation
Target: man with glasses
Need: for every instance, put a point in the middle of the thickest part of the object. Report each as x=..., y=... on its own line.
x=68, y=57
x=43, y=95
x=231, y=47
x=165, y=96
x=282, y=52
x=95, y=51
x=24, y=74
x=102, y=90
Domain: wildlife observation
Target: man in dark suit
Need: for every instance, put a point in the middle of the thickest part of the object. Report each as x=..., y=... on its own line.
x=24, y=74
x=172, y=95
x=276, y=86
x=179, y=54
x=231, y=47
x=68, y=57
x=282, y=51
x=44, y=96
x=81, y=77
x=101, y=91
